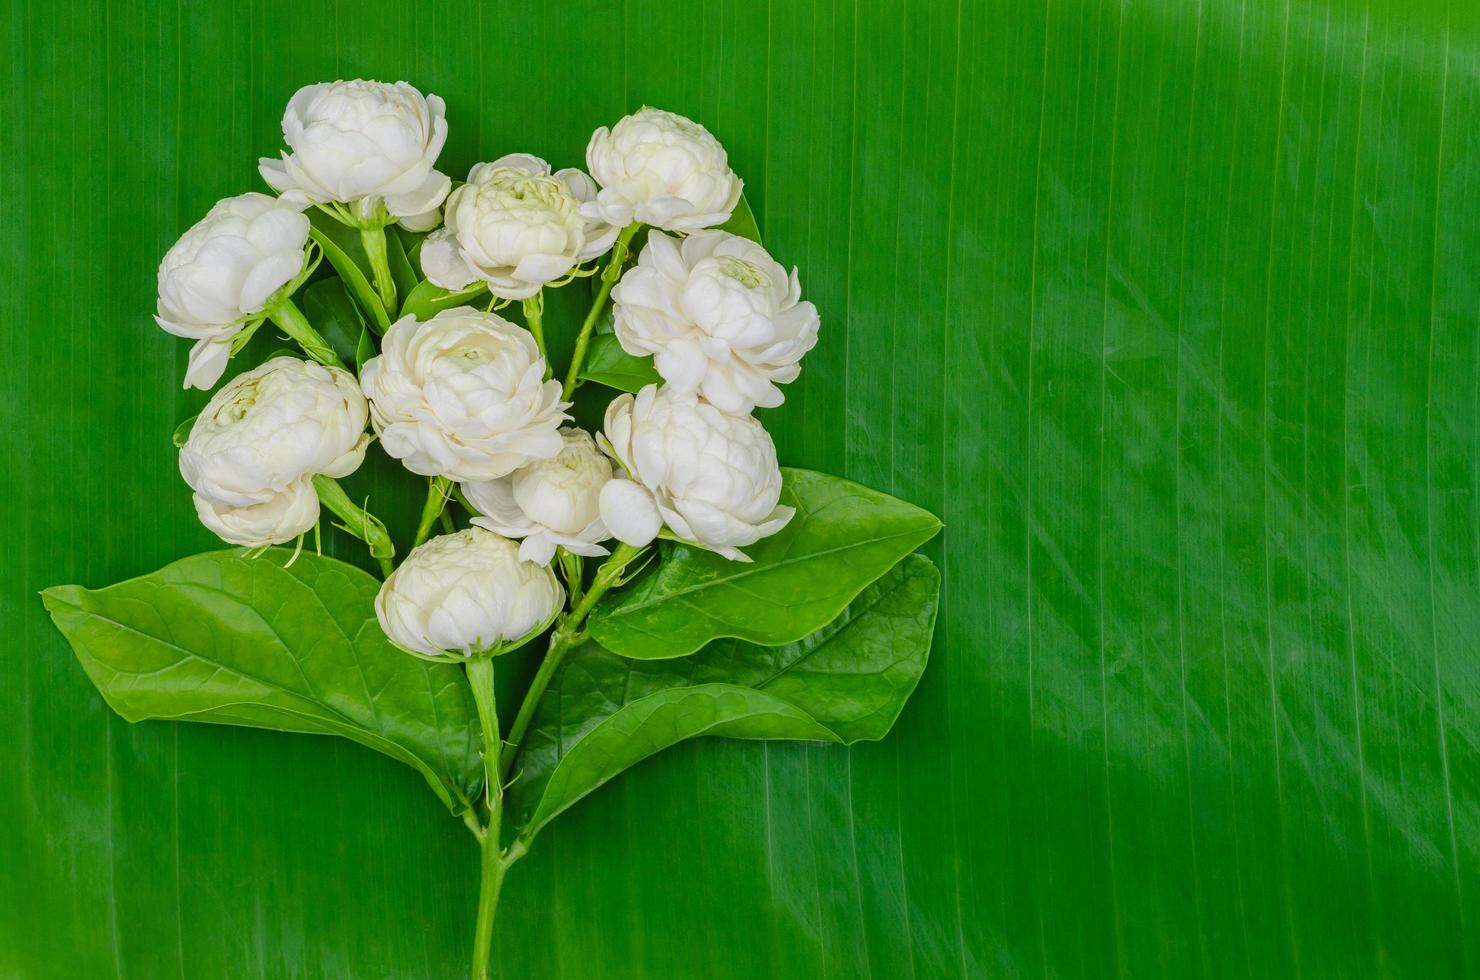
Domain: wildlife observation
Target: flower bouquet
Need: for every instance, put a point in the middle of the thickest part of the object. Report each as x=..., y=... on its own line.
x=681, y=582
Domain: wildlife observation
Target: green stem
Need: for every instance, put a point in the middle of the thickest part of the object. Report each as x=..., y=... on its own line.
x=288, y=316
x=609, y=276
x=436, y=503
x=493, y=862
x=534, y=315
x=572, y=568
x=373, y=239
x=357, y=521
x=566, y=637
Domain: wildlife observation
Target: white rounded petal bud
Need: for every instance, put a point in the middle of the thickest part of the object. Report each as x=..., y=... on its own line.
x=273, y=426
x=629, y=511
x=663, y=170
x=277, y=520
x=719, y=315
x=550, y=502
x=466, y=593
x=713, y=476
x=463, y=395
x=226, y=268
x=515, y=226
x=372, y=146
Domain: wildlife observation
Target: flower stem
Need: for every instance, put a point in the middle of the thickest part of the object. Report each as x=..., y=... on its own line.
x=357, y=521
x=493, y=861
x=437, y=493
x=534, y=315
x=567, y=636
x=287, y=315
x=373, y=239
x=609, y=277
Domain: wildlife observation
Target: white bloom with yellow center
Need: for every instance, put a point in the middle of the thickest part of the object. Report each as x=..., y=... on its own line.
x=463, y=396
x=515, y=226
x=719, y=315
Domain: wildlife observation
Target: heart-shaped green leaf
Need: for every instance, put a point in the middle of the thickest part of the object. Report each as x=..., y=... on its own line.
x=844, y=683
x=231, y=640
x=842, y=538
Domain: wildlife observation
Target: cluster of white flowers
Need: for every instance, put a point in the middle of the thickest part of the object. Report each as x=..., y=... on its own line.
x=466, y=397
x=252, y=454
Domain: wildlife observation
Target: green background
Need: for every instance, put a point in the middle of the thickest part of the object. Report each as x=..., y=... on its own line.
x=1167, y=307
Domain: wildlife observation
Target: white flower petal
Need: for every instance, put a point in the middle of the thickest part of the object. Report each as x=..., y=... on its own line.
x=629, y=513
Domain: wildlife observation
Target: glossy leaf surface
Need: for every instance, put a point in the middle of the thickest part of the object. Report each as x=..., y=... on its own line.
x=229, y=640
x=428, y=299
x=842, y=537
x=846, y=682
x=606, y=363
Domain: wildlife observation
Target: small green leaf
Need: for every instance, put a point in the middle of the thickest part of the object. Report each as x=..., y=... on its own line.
x=842, y=538
x=428, y=299
x=411, y=242
x=334, y=315
x=364, y=349
x=606, y=363
x=341, y=245
x=182, y=431
x=845, y=683
x=230, y=640
x=402, y=274
x=742, y=222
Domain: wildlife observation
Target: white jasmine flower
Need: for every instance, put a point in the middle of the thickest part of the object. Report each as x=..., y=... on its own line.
x=224, y=272
x=550, y=502
x=515, y=226
x=279, y=519
x=463, y=395
x=712, y=477
x=719, y=315
x=272, y=427
x=663, y=170
x=466, y=593
x=370, y=146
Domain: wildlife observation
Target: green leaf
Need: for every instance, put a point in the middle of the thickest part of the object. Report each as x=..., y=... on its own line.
x=341, y=245
x=402, y=274
x=844, y=683
x=606, y=363
x=742, y=222
x=230, y=640
x=429, y=299
x=334, y=315
x=842, y=538
x=364, y=348
x=182, y=431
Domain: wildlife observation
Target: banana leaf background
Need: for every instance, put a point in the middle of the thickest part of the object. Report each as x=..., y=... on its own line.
x=1167, y=307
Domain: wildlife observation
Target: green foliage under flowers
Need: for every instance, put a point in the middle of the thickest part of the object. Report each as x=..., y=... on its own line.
x=842, y=538
x=273, y=642
x=291, y=643
x=845, y=682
